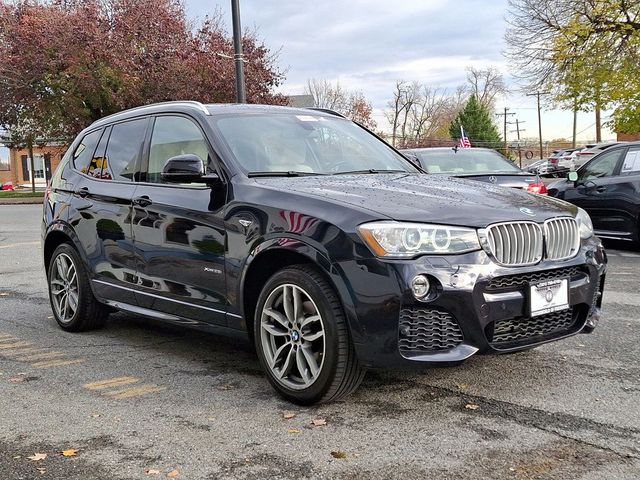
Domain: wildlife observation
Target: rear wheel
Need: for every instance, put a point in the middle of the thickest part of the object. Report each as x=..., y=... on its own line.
x=72, y=301
x=302, y=338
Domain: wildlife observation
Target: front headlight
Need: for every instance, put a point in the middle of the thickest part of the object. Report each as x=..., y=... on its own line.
x=584, y=224
x=401, y=240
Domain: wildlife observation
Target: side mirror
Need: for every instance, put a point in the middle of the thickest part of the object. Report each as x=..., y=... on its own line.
x=185, y=168
x=572, y=177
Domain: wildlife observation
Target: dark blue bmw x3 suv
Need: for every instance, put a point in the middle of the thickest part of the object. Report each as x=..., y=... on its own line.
x=307, y=233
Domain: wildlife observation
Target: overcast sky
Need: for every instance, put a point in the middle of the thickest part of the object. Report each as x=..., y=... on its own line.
x=369, y=44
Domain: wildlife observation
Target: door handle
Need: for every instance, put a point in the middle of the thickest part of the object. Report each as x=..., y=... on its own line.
x=83, y=192
x=601, y=189
x=143, y=201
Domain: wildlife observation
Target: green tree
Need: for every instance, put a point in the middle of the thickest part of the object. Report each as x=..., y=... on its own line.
x=478, y=126
x=584, y=52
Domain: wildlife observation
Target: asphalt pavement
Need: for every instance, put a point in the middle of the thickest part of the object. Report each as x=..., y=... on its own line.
x=138, y=399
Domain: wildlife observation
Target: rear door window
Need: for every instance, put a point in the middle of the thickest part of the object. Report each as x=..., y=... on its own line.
x=83, y=153
x=122, y=159
x=631, y=163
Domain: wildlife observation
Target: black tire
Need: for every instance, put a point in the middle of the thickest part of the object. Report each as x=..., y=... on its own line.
x=89, y=314
x=340, y=372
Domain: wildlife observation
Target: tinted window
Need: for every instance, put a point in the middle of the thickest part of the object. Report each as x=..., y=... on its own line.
x=631, y=164
x=603, y=165
x=123, y=151
x=84, y=151
x=464, y=160
x=174, y=136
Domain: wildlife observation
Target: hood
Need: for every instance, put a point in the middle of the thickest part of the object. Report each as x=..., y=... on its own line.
x=426, y=198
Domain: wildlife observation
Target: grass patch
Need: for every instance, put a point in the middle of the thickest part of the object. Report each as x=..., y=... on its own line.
x=14, y=194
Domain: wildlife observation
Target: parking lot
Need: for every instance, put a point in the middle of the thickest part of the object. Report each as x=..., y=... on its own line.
x=138, y=399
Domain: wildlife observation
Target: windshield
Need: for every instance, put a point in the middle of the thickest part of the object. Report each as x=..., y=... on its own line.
x=306, y=144
x=464, y=161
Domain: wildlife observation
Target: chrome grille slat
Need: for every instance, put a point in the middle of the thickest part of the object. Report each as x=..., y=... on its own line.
x=515, y=243
x=562, y=238
x=526, y=243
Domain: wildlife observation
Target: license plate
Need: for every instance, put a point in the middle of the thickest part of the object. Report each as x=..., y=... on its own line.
x=549, y=296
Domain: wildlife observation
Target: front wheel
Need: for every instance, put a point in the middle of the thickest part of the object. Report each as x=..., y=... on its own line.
x=302, y=338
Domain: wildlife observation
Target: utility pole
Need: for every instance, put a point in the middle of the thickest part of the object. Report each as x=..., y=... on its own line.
x=237, y=46
x=518, y=130
x=506, y=109
x=537, y=94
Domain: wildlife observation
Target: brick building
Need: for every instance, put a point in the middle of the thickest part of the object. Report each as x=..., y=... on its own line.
x=15, y=166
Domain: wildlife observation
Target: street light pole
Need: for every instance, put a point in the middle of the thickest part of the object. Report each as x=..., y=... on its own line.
x=237, y=45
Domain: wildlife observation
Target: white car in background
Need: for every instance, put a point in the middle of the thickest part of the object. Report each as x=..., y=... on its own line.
x=590, y=151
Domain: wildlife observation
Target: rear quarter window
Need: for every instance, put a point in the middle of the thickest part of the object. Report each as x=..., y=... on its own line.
x=83, y=153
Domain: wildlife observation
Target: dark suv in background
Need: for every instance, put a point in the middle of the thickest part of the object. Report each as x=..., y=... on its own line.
x=305, y=232
x=608, y=188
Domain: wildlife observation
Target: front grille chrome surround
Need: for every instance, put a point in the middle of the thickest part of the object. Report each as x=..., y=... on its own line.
x=515, y=243
x=562, y=237
x=519, y=244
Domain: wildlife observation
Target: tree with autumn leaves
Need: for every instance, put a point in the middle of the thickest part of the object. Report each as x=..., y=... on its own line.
x=66, y=63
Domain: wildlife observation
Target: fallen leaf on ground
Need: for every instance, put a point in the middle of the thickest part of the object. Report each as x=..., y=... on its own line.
x=338, y=454
x=18, y=379
x=95, y=415
x=71, y=452
x=42, y=471
x=471, y=406
x=293, y=430
x=287, y=415
x=3, y=294
x=37, y=456
x=172, y=474
x=319, y=422
x=151, y=471
x=462, y=386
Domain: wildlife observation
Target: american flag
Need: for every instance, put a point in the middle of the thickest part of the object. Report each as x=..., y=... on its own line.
x=464, y=140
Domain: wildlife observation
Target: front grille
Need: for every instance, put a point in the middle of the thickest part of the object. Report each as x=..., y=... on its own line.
x=529, y=329
x=427, y=330
x=519, y=280
x=521, y=243
x=563, y=238
x=515, y=243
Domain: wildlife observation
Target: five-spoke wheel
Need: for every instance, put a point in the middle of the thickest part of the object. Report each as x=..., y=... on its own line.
x=302, y=337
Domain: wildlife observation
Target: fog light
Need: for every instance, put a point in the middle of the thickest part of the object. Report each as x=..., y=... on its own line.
x=420, y=286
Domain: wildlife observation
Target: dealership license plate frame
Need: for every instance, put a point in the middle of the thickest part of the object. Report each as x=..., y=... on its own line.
x=539, y=302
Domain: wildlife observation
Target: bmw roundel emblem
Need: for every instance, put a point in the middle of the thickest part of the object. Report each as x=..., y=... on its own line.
x=528, y=211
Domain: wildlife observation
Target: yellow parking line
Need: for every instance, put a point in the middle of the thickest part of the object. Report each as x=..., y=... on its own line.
x=11, y=245
x=39, y=356
x=112, y=382
x=6, y=336
x=57, y=363
x=8, y=339
x=135, y=392
x=22, y=351
x=10, y=346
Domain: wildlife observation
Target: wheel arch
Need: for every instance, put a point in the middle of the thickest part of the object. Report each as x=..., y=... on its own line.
x=56, y=235
x=272, y=258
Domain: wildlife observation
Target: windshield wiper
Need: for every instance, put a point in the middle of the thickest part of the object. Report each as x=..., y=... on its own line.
x=371, y=170
x=290, y=173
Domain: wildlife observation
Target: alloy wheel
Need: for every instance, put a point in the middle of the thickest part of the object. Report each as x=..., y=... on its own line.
x=64, y=288
x=292, y=336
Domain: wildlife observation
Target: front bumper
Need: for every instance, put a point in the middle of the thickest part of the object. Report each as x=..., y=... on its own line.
x=476, y=306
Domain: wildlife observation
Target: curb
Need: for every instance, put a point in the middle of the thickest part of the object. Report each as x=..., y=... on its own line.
x=22, y=201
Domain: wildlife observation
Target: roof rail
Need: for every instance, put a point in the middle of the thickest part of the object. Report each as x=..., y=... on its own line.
x=191, y=103
x=327, y=110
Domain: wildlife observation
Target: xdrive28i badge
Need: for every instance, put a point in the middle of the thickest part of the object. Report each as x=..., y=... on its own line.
x=528, y=211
